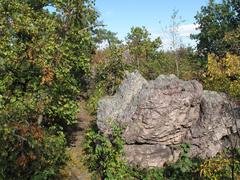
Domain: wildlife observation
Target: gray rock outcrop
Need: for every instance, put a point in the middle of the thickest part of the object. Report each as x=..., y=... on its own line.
x=157, y=116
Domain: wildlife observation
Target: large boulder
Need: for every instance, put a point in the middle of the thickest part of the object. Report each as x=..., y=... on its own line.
x=157, y=116
x=216, y=126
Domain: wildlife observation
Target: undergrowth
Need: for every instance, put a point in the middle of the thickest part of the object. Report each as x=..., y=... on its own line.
x=104, y=157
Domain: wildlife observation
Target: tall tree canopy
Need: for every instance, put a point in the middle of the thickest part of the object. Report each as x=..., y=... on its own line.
x=44, y=56
x=140, y=45
x=108, y=36
x=215, y=21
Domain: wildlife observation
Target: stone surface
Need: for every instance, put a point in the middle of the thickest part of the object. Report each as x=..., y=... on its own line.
x=122, y=105
x=150, y=155
x=157, y=116
x=216, y=122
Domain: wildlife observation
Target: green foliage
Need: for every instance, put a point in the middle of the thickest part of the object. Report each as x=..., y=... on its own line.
x=233, y=39
x=104, y=154
x=108, y=36
x=29, y=152
x=95, y=96
x=109, y=75
x=44, y=58
x=223, y=74
x=223, y=166
x=164, y=63
x=44, y=61
x=184, y=168
x=148, y=174
x=140, y=45
x=218, y=42
x=215, y=21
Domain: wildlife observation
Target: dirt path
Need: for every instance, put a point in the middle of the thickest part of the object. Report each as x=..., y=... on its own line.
x=75, y=170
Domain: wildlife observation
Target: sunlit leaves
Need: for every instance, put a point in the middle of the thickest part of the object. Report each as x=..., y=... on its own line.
x=224, y=74
x=215, y=21
x=140, y=45
x=44, y=61
x=45, y=54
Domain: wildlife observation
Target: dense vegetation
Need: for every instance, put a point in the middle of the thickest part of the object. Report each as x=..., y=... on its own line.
x=105, y=159
x=44, y=61
x=49, y=55
x=217, y=22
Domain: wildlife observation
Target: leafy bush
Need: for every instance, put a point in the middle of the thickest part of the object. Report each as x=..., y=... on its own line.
x=29, y=152
x=223, y=74
x=109, y=75
x=164, y=63
x=44, y=61
x=222, y=166
x=184, y=168
x=147, y=174
x=104, y=154
x=95, y=96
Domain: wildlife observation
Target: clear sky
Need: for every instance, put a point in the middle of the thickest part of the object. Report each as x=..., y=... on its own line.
x=121, y=15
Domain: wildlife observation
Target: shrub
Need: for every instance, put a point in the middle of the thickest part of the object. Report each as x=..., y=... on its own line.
x=109, y=75
x=29, y=152
x=223, y=74
x=44, y=61
x=184, y=168
x=104, y=154
x=222, y=166
x=164, y=63
x=96, y=94
x=149, y=174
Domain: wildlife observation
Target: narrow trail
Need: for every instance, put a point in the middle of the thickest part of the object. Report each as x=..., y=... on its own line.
x=75, y=169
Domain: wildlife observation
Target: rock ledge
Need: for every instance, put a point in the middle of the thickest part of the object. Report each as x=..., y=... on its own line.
x=159, y=115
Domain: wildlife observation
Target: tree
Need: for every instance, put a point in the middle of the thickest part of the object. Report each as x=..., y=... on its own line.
x=44, y=55
x=176, y=21
x=233, y=39
x=140, y=45
x=44, y=59
x=215, y=21
x=223, y=74
x=106, y=35
x=173, y=29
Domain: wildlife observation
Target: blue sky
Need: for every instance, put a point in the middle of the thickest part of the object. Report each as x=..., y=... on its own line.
x=121, y=15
